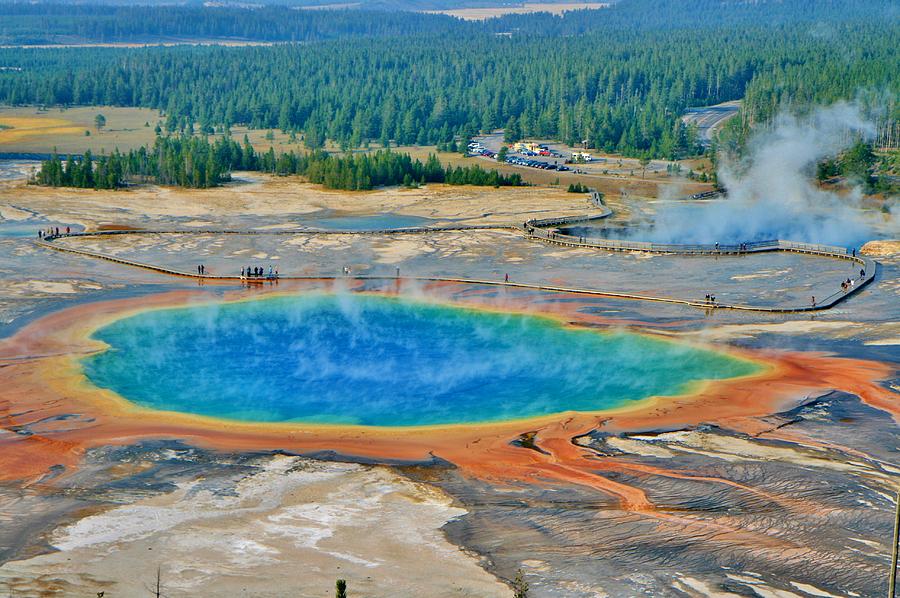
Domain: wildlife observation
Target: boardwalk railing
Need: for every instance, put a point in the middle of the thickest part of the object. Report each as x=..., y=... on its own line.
x=542, y=230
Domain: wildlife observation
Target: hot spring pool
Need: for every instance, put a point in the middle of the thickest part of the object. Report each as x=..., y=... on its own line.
x=370, y=222
x=378, y=361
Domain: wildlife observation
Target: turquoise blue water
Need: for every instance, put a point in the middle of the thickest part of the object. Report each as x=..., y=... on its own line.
x=29, y=228
x=372, y=222
x=356, y=359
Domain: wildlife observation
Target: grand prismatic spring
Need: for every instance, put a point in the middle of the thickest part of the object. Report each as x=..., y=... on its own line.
x=385, y=362
x=423, y=396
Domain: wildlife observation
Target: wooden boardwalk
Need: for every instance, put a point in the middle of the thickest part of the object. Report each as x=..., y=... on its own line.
x=539, y=230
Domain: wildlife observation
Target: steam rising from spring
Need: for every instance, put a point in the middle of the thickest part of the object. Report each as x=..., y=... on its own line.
x=368, y=360
x=772, y=193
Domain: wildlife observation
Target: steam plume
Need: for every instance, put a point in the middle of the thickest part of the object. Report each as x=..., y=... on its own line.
x=772, y=194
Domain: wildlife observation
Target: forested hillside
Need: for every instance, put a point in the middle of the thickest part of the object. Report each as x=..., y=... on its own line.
x=617, y=89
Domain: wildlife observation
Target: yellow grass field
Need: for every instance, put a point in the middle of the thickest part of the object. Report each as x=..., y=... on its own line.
x=40, y=131
x=20, y=127
x=480, y=14
x=35, y=131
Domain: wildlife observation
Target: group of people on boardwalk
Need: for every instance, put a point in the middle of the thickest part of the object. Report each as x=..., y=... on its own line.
x=51, y=232
x=259, y=272
x=850, y=283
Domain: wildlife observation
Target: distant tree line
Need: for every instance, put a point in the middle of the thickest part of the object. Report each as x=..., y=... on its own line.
x=383, y=168
x=617, y=78
x=198, y=163
x=26, y=22
x=180, y=161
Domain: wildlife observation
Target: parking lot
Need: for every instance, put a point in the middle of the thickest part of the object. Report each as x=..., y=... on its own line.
x=548, y=155
x=540, y=156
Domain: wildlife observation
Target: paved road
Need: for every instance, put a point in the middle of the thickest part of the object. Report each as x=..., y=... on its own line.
x=710, y=118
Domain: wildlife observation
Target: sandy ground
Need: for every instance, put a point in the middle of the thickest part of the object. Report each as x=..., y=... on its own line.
x=884, y=248
x=281, y=198
x=291, y=527
x=762, y=279
x=264, y=203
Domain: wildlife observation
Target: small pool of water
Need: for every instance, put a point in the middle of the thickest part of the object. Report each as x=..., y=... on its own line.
x=30, y=227
x=378, y=361
x=17, y=168
x=371, y=222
